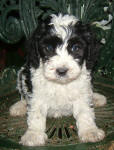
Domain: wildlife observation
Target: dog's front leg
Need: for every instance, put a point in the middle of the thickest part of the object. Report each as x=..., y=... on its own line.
x=36, y=121
x=85, y=121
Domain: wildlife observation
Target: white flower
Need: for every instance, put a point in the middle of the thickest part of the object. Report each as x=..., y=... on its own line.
x=103, y=24
x=103, y=41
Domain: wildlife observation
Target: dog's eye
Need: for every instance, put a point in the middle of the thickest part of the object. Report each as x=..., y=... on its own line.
x=75, y=47
x=49, y=47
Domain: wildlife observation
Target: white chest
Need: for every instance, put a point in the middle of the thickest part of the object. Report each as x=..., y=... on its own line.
x=60, y=97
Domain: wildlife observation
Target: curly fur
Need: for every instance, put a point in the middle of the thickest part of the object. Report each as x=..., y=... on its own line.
x=56, y=79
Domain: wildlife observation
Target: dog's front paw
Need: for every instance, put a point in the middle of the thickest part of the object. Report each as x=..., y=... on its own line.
x=32, y=138
x=92, y=135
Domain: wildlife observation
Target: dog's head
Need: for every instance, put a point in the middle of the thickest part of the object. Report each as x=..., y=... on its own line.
x=62, y=46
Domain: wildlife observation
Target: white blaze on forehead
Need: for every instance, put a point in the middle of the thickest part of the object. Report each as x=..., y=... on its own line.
x=61, y=25
x=61, y=51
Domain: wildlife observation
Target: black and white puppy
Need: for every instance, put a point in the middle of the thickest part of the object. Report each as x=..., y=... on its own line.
x=56, y=79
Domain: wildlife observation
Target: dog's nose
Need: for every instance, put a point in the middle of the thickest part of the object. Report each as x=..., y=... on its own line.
x=61, y=71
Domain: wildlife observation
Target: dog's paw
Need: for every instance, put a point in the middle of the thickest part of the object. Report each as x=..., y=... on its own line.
x=92, y=135
x=18, y=109
x=32, y=138
x=99, y=100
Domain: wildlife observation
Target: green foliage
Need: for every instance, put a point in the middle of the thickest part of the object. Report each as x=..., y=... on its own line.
x=86, y=10
x=10, y=26
x=7, y=81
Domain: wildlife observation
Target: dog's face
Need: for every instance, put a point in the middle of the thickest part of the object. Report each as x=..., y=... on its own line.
x=62, y=59
x=63, y=46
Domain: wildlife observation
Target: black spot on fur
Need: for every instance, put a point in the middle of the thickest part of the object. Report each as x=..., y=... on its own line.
x=25, y=82
x=21, y=85
x=26, y=72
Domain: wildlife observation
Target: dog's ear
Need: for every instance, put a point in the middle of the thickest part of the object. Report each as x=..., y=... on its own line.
x=93, y=52
x=32, y=44
x=32, y=50
x=93, y=46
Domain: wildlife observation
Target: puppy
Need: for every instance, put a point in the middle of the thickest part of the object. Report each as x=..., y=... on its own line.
x=56, y=79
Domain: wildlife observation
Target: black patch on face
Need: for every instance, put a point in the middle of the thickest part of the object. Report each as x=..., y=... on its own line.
x=77, y=48
x=87, y=46
x=48, y=46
